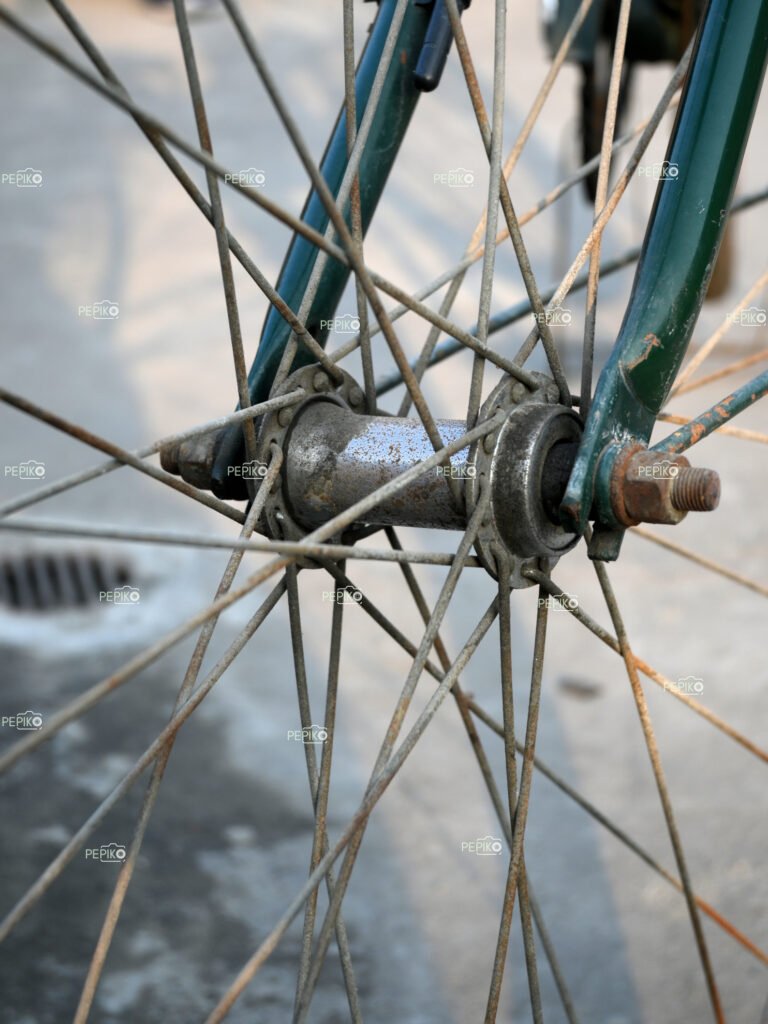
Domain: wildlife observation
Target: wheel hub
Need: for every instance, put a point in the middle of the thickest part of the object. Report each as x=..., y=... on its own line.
x=335, y=454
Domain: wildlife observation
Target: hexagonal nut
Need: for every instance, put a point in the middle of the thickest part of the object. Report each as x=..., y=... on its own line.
x=641, y=487
x=192, y=459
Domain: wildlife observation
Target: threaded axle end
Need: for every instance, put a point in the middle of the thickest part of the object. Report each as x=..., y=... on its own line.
x=696, y=490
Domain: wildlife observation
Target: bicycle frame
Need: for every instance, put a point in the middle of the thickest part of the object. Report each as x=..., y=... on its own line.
x=678, y=255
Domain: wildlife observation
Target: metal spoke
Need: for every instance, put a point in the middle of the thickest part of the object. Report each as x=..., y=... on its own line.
x=332, y=206
x=66, y=483
x=155, y=132
x=648, y=671
x=201, y=540
x=337, y=221
x=475, y=249
x=510, y=217
x=622, y=836
x=546, y=87
x=519, y=311
x=91, y=696
x=601, y=195
x=661, y=784
x=342, y=241
x=319, y=788
x=191, y=675
x=698, y=357
x=528, y=905
x=613, y=199
x=388, y=744
x=472, y=255
x=66, y=854
x=743, y=435
x=220, y=227
x=721, y=570
x=726, y=371
x=494, y=134
x=120, y=98
x=356, y=217
x=102, y=445
x=697, y=429
x=518, y=802
x=449, y=347
x=385, y=777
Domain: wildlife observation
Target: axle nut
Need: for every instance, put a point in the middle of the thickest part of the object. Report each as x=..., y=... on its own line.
x=651, y=487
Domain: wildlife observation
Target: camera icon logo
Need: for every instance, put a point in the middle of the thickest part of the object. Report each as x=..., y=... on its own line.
x=662, y=170
x=29, y=470
x=252, y=470
x=485, y=846
x=27, y=177
x=459, y=177
x=690, y=686
x=251, y=177
x=753, y=316
x=348, y=323
x=121, y=595
x=311, y=736
x=558, y=316
x=663, y=470
x=343, y=595
x=26, y=721
x=107, y=853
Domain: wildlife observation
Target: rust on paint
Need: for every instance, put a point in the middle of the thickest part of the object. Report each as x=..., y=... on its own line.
x=651, y=342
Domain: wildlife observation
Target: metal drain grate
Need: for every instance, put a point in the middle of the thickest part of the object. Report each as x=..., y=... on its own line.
x=43, y=582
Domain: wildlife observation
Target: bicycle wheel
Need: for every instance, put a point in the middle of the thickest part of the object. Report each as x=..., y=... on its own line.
x=221, y=904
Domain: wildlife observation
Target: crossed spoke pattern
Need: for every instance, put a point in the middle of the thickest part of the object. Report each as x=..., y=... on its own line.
x=333, y=860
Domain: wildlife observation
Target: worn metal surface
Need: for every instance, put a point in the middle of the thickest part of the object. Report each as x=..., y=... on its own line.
x=335, y=457
x=518, y=466
x=645, y=487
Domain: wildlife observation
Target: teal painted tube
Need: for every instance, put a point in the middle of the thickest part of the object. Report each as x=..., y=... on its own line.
x=697, y=183
x=396, y=106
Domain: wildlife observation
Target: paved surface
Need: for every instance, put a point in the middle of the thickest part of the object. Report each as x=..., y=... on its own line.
x=229, y=843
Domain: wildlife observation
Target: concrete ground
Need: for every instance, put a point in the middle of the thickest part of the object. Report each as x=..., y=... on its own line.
x=230, y=840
